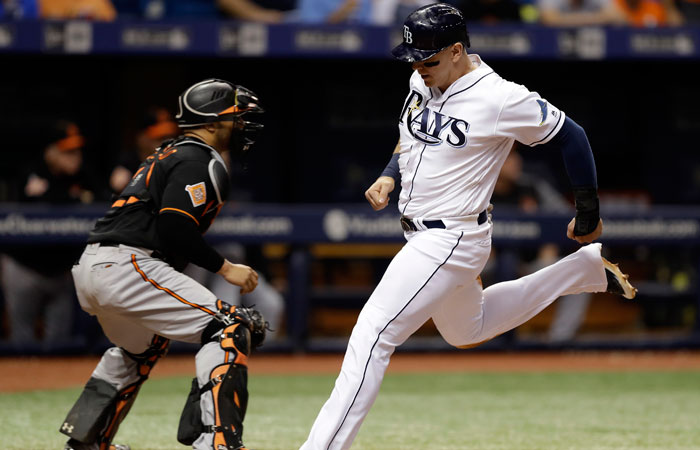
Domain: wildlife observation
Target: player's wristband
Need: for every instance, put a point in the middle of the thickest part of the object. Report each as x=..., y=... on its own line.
x=392, y=169
x=587, y=210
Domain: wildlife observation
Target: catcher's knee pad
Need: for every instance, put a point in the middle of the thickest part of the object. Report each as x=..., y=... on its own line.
x=228, y=382
x=96, y=415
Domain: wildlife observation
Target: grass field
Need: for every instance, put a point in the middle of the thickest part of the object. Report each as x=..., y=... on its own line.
x=626, y=410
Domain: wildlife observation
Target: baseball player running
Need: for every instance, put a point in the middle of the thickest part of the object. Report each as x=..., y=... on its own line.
x=129, y=276
x=458, y=123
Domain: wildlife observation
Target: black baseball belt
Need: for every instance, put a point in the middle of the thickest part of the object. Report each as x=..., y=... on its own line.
x=409, y=225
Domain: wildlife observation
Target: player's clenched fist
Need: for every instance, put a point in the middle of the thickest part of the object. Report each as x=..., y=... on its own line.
x=378, y=194
x=585, y=239
x=240, y=275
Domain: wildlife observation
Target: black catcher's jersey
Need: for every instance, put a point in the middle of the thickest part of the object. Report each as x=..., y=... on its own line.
x=184, y=176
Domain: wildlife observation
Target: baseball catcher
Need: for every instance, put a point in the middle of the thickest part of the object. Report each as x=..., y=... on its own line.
x=129, y=276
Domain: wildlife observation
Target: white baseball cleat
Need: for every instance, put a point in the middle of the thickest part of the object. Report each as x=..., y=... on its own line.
x=618, y=282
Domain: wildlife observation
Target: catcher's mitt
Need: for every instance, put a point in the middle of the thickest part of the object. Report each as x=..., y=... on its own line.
x=255, y=322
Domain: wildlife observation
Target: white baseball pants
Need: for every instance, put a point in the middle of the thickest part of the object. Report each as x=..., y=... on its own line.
x=435, y=275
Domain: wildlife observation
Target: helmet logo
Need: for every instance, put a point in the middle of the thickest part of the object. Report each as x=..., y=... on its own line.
x=407, y=35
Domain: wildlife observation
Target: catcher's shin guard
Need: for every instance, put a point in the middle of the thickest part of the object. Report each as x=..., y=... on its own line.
x=99, y=410
x=234, y=329
x=230, y=388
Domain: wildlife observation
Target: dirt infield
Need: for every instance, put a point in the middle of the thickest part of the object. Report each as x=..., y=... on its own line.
x=25, y=374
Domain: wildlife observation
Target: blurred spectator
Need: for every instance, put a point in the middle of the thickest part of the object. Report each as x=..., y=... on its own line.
x=390, y=12
x=156, y=126
x=264, y=11
x=530, y=194
x=689, y=10
x=572, y=13
x=650, y=13
x=36, y=278
x=19, y=9
x=254, y=11
x=490, y=11
x=101, y=10
x=333, y=11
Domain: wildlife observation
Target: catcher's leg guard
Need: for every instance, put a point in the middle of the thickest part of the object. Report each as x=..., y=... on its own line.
x=228, y=381
x=99, y=410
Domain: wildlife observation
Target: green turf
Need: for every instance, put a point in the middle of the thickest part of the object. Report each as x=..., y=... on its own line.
x=441, y=411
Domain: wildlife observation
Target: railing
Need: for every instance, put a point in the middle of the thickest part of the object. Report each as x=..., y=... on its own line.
x=238, y=39
x=304, y=225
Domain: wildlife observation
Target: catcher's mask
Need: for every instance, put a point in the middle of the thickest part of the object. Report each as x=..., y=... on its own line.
x=215, y=100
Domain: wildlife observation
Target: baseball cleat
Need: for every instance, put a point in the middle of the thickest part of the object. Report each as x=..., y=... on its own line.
x=618, y=282
x=72, y=444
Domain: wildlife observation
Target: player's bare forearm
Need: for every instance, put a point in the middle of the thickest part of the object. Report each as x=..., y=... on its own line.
x=378, y=194
x=588, y=238
x=240, y=275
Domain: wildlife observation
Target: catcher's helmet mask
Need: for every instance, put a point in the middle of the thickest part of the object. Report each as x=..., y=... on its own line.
x=216, y=100
x=429, y=30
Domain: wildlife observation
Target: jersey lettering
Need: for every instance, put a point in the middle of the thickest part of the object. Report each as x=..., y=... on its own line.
x=413, y=101
x=458, y=133
x=429, y=126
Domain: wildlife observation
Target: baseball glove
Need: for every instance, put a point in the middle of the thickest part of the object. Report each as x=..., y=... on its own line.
x=255, y=322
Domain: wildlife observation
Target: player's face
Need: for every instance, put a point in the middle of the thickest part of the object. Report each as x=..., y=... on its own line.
x=223, y=133
x=434, y=70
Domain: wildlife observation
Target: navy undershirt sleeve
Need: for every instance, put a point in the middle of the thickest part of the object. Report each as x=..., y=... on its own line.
x=571, y=140
x=180, y=234
x=392, y=169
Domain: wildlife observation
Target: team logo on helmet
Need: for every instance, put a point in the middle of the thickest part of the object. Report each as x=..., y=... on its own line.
x=407, y=35
x=430, y=29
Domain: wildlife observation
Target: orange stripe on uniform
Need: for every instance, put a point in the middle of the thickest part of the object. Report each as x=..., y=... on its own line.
x=181, y=211
x=150, y=171
x=164, y=289
x=206, y=209
x=118, y=203
x=233, y=109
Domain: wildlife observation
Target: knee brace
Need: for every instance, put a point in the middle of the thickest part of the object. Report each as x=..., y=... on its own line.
x=99, y=410
x=228, y=382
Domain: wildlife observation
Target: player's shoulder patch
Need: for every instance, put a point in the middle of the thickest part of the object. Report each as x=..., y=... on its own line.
x=543, y=111
x=198, y=193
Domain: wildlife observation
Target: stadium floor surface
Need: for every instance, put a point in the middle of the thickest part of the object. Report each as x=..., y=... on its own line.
x=30, y=373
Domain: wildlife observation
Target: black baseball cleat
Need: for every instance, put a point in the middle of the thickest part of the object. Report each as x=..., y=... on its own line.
x=618, y=282
x=72, y=444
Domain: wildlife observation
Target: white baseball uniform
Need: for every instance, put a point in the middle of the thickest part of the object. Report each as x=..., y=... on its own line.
x=452, y=147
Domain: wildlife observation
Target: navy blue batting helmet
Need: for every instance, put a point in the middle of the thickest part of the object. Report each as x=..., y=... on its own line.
x=430, y=29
